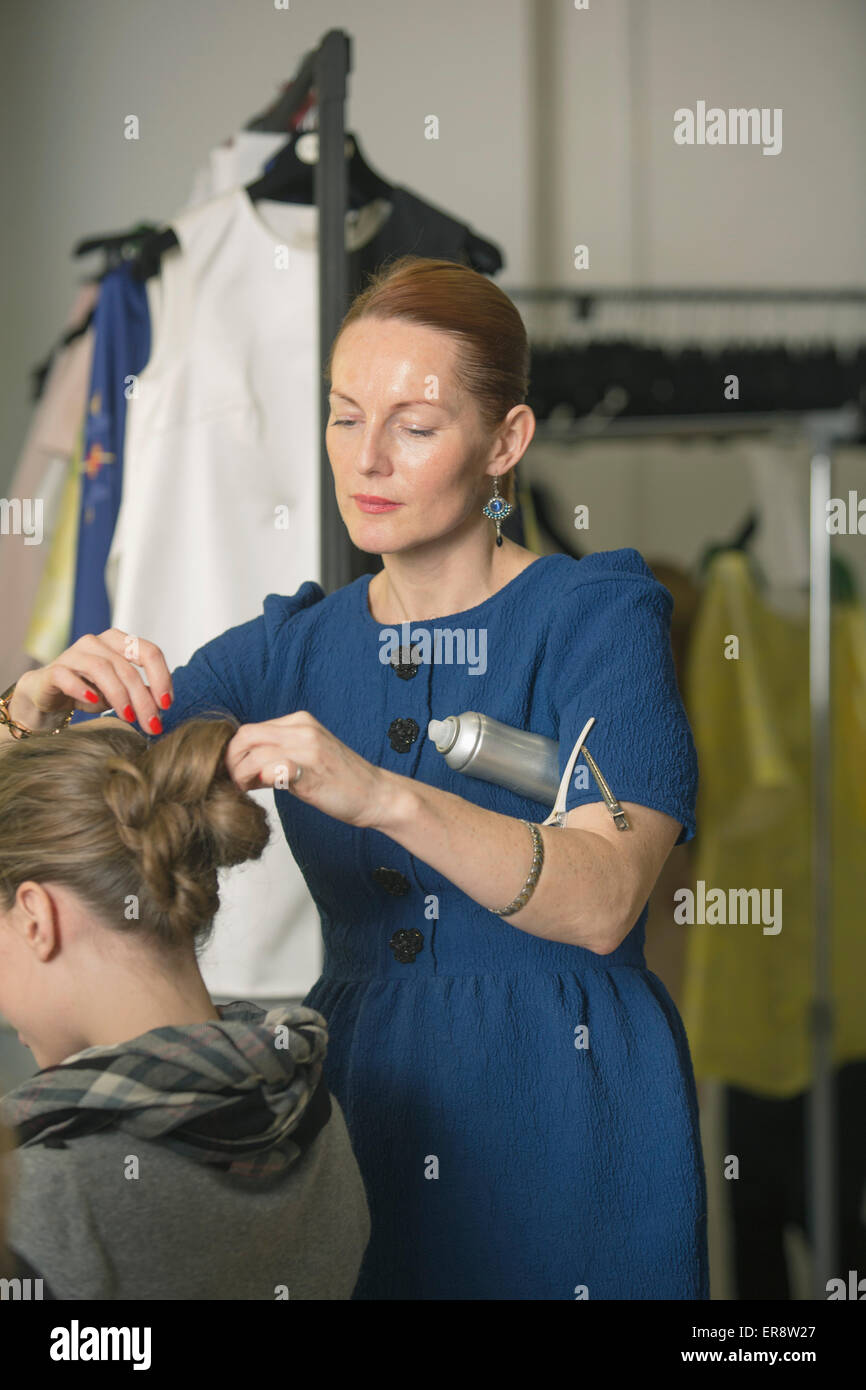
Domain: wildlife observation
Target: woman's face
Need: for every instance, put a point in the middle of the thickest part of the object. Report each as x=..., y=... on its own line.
x=401, y=430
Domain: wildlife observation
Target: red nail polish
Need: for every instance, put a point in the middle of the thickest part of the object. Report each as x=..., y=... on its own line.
x=129, y=713
x=156, y=724
x=165, y=701
x=93, y=698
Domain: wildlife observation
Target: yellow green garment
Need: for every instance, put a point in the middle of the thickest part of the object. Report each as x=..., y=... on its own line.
x=747, y=995
x=51, y=617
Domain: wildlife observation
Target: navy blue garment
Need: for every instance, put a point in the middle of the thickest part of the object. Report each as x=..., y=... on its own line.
x=121, y=349
x=501, y=1159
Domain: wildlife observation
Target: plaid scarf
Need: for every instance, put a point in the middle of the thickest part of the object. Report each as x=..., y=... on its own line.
x=245, y=1094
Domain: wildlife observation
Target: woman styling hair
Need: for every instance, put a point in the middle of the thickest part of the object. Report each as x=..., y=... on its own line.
x=516, y=1084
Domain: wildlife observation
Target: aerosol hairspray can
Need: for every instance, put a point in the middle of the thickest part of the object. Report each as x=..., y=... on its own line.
x=525, y=763
x=482, y=747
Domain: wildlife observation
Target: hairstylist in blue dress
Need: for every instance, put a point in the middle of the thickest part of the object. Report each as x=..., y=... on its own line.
x=517, y=1086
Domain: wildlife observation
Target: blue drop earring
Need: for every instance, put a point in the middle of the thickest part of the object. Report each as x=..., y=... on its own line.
x=497, y=509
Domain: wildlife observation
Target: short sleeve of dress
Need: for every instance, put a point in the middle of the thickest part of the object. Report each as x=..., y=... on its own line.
x=236, y=672
x=615, y=663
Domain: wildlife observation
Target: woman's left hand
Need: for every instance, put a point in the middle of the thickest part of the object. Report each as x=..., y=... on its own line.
x=335, y=779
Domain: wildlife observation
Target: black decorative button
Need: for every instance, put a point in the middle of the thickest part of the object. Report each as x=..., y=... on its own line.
x=406, y=943
x=402, y=733
x=392, y=881
x=405, y=663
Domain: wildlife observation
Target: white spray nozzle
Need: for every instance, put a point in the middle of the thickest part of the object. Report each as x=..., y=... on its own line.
x=442, y=732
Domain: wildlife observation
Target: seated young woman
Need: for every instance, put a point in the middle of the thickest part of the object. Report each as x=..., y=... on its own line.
x=168, y=1148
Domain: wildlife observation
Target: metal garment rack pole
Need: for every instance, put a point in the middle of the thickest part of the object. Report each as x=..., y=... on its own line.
x=821, y=1199
x=685, y=294
x=825, y=431
x=333, y=61
x=645, y=426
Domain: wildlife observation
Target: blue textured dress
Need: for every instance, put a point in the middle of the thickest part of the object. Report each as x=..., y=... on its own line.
x=502, y=1159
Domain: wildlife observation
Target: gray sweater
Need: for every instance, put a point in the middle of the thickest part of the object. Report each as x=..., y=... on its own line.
x=183, y=1230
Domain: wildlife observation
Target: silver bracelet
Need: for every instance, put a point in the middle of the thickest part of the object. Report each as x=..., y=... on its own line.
x=528, y=888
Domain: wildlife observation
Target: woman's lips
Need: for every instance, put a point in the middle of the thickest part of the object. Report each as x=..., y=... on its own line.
x=375, y=504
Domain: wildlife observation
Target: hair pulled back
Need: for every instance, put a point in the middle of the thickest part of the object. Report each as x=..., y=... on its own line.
x=493, y=355
x=138, y=831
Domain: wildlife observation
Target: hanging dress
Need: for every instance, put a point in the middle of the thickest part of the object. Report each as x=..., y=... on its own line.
x=748, y=992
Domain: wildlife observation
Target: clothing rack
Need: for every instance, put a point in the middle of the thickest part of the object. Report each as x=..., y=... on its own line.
x=664, y=353
x=598, y=425
x=812, y=336
x=825, y=432
x=326, y=69
x=586, y=299
x=586, y=304
x=319, y=81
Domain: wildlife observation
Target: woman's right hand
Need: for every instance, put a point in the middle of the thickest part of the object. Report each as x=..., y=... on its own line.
x=96, y=674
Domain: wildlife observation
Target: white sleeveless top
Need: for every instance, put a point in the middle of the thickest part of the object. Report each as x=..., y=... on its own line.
x=222, y=437
x=239, y=159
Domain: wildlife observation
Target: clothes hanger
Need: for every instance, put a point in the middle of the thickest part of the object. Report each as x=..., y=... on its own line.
x=739, y=541
x=483, y=255
x=363, y=180
x=292, y=103
x=283, y=115
x=119, y=248
x=289, y=176
x=287, y=179
x=115, y=243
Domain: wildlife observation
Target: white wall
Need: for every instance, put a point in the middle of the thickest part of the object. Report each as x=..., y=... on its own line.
x=195, y=70
x=593, y=91
x=655, y=211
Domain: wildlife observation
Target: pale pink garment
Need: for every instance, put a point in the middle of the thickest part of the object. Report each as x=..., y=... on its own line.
x=38, y=476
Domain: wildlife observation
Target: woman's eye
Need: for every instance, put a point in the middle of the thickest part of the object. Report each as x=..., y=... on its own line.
x=416, y=433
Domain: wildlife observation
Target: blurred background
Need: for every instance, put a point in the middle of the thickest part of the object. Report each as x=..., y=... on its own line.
x=697, y=315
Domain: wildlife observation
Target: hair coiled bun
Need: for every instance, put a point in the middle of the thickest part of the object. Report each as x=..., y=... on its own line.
x=182, y=818
x=137, y=831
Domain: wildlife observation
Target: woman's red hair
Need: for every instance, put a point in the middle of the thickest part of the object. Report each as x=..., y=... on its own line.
x=492, y=347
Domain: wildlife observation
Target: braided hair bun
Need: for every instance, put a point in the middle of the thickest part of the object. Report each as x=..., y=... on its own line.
x=182, y=818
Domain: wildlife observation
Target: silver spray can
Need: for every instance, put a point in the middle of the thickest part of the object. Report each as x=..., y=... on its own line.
x=525, y=763
x=482, y=747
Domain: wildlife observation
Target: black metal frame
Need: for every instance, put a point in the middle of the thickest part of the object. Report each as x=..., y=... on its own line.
x=327, y=70
x=333, y=62
x=585, y=299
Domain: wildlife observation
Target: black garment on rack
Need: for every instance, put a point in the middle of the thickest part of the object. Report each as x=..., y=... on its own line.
x=417, y=228
x=660, y=381
x=414, y=227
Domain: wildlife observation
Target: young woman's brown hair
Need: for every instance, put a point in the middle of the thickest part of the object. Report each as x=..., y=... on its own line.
x=493, y=350
x=138, y=831
x=244, y=1180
